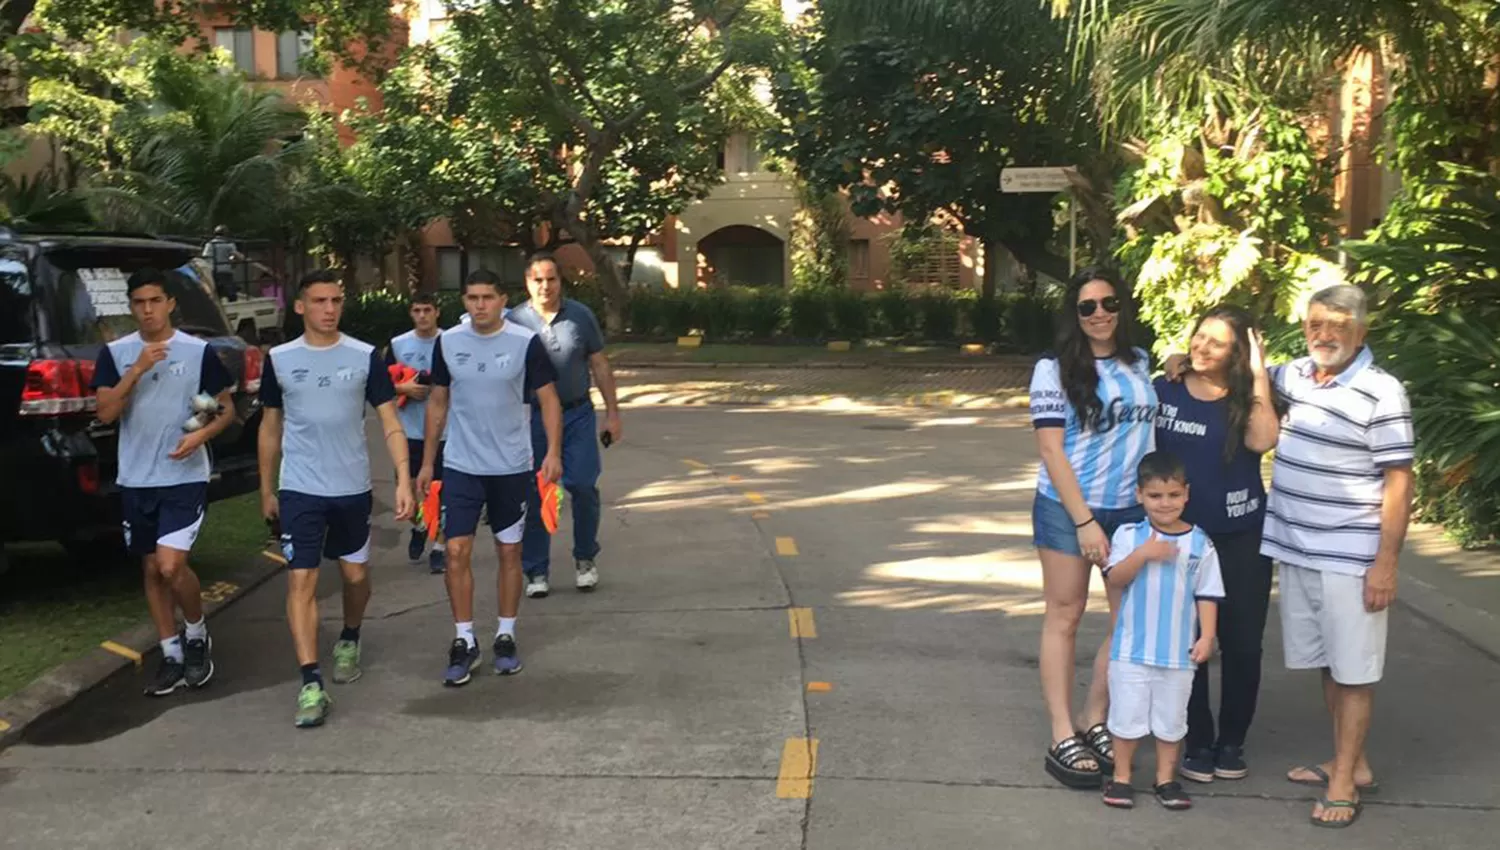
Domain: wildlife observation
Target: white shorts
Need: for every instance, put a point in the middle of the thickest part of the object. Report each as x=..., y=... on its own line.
x=1324, y=624
x=1148, y=700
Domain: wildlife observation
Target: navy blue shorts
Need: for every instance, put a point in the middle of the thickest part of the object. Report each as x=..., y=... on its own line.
x=318, y=527
x=414, y=449
x=504, y=496
x=162, y=516
x=1052, y=528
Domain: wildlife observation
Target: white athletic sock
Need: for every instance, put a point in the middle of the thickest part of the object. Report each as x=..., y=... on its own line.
x=507, y=627
x=440, y=546
x=197, y=631
x=466, y=631
x=172, y=648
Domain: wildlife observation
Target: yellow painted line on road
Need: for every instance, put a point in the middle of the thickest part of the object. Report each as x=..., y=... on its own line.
x=122, y=651
x=819, y=687
x=696, y=464
x=799, y=764
x=218, y=591
x=735, y=478
x=786, y=546
x=760, y=515
x=802, y=624
x=274, y=556
x=755, y=498
x=4, y=726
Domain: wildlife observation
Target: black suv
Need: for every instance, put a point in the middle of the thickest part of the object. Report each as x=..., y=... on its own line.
x=62, y=297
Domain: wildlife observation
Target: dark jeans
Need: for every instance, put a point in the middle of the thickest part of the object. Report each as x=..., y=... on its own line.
x=1242, y=622
x=581, y=468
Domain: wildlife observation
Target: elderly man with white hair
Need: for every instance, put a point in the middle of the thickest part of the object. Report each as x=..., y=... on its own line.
x=1336, y=520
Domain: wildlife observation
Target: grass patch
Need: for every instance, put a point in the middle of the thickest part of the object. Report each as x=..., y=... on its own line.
x=53, y=610
x=627, y=353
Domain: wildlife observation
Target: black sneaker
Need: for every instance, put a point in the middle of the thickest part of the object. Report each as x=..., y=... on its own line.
x=415, y=547
x=1229, y=763
x=198, y=661
x=507, y=661
x=169, y=677
x=1171, y=796
x=462, y=659
x=1198, y=765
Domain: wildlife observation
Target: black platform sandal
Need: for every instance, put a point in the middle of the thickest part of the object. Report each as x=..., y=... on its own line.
x=1064, y=760
x=1103, y=747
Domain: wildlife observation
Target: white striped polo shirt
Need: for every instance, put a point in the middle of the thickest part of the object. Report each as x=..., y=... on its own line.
x=1337, y=440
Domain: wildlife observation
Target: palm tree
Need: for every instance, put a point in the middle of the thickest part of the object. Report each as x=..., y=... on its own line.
x=212, y=150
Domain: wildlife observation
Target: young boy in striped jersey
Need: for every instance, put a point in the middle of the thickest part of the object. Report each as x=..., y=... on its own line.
x=1170, y=573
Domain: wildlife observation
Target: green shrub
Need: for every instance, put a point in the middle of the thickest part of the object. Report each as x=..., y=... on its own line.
x=985, y=318
x=646, y=313
x=762, y=312
x=1027, y=323
x=808, y=313
x=897, y=316
x=718, y=312
x=680, y=313
x=851, y=313
x=938, y=310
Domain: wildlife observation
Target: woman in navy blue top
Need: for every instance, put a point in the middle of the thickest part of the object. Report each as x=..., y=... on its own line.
x=1220, y=418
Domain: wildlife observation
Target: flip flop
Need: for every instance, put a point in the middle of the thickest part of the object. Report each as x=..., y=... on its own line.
x=1327, y=804
x=1322, y=780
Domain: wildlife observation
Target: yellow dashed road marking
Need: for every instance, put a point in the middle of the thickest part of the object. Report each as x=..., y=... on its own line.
x=4, y=726
x=696, y=464
x=219, y=591
x=760, y=515
x=274, y=556
x=802, y=624
x=819, y=687
x=799, y=764
x=786, y=546
x=735, y=478
x=755, y=498
x=122, y=651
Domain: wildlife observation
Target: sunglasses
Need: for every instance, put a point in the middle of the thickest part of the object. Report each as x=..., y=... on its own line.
x=1087, y=308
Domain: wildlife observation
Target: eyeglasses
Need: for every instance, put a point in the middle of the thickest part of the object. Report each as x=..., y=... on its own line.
x=1087, y=308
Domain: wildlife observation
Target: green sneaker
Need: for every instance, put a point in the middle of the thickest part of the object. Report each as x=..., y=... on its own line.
x=346, y=662
x=312, y=706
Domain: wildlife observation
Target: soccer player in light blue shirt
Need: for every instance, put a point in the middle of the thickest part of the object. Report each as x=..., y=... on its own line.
x=1169, y=573
x=483, y=374
x=314, y=393
x=413, y=349
x=147, y=381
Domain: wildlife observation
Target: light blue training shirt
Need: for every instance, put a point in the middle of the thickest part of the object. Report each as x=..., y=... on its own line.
x=1159, y=612
x=322, y=393
x=490, y=378
x=151, y=426
x=409, y=349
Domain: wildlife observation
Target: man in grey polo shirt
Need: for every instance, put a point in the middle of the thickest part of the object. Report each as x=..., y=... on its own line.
x=1335, y=522
x=571, y=337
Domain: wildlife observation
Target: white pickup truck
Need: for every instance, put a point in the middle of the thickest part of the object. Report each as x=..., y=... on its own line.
x=255, y=320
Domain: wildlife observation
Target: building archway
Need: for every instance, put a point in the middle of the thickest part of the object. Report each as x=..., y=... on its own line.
x=742, y=255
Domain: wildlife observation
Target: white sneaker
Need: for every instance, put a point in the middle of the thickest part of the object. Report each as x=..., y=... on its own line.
x=537, y=587
x=588, y=576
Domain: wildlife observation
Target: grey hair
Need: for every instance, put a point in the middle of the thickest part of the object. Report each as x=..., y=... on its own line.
x=1342, y=298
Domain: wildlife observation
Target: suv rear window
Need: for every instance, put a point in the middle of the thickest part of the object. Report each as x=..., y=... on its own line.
x=90, y=301
x=15, y=299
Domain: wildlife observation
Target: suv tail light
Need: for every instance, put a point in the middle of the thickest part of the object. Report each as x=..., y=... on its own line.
x=254, y=363
x=55, y=387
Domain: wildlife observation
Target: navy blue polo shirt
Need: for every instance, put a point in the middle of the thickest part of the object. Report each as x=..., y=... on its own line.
x=569, y=340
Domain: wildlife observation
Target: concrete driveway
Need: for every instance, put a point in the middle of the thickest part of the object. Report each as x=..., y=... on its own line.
x=814, y=629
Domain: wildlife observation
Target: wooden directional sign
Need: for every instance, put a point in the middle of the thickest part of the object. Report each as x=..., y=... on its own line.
x=1050, y=179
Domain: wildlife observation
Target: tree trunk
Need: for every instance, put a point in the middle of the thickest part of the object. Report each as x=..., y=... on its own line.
x=613, y=286
x=628, y=272
x=991, y=249
x=1038, y=259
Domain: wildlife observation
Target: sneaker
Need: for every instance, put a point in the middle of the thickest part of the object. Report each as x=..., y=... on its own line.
x=198, y=661
x=346, y=662
x=588, y=575
x=1198, y=765
x=537, y=587
x=169, y=677
x=437, y=562
x=1119, y=795
x=1171, y=796
x=416, y=546
x=312, y=706
x=507, y=662
x=1229, y=762
x=463, y=660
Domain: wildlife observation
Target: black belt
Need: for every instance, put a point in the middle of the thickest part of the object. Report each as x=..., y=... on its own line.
x=576, y=403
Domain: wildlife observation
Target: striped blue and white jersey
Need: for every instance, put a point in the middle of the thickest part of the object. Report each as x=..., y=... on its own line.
x=1103, y=458
x=1328, y=484
x=1158, y=616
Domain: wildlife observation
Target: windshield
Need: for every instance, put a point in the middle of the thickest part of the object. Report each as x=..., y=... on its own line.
x=89, y=300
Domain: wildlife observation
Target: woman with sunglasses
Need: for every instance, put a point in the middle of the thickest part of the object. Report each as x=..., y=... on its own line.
x=1092, y=405
x=1220, y=418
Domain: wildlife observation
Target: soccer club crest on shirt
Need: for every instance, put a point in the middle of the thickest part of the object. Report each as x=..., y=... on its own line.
x=176, y=368
x=346, y=374
x=502, y=361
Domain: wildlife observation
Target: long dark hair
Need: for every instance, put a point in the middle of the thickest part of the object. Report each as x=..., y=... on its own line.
x=1075, y=358
x=1239, y=378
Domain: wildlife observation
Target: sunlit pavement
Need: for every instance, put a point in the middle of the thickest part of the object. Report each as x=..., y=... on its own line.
x=814, y=629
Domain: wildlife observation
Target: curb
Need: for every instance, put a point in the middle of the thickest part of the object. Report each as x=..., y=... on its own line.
x=58, y=687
